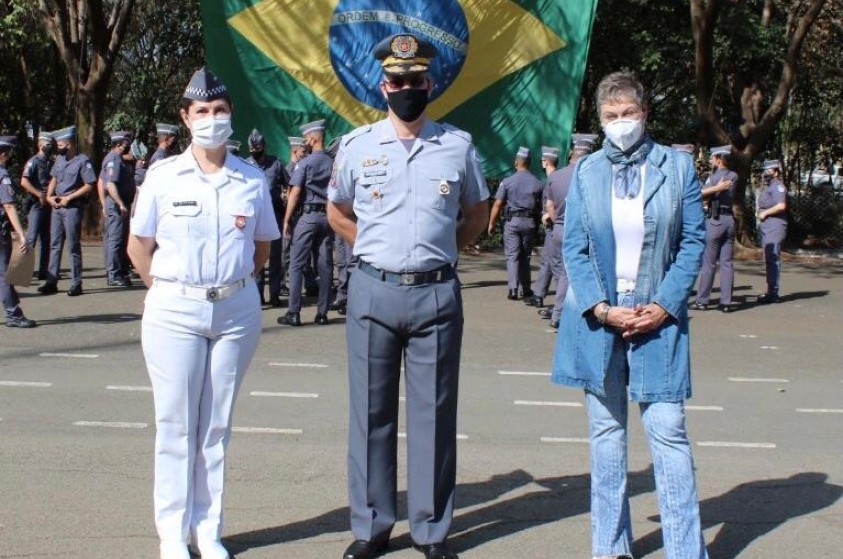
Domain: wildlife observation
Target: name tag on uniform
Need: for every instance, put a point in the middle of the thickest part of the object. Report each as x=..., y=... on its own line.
x=375, y=173
x=185, y=203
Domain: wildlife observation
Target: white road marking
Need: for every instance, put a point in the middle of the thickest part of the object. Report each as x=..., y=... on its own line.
x=723, y=444
x=300, y=365
x=129, y=388
x=73, y=355
x=818, y=410
x=112, y=424
x=524, y=373
x=267, y=430
x=750, y=336
x=22, y=384
x=460, y=436
x=757, y=379
x=769, y=347
x=704, y=408
x=541, y=403
x=284, y=394
x=564, y=440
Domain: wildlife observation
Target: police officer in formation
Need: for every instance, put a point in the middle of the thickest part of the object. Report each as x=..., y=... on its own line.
x=397, y=188
x=550, y=156
x=558, y=186
x=772, y=217
x=278, y=180
x=35, y=180
x=718, y=193
x=118, y=180
x=309, y=184
x=73, y=178
x=9, y=217
x=168, y=135
x=201, y=228
x=519, y=197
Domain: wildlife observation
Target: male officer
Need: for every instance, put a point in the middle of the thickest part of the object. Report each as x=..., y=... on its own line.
x=117, y=177
x=397, y=188
x=167, y=137
x=35, y=180
x=550, y=156
x=139, y=152
x=519, y=196
x=9, y=217
x=718, y=192
x=310, y=182
x=772, y=216
x=73, y=178
x=298, y=151
x=583, y=144
x=278, y=180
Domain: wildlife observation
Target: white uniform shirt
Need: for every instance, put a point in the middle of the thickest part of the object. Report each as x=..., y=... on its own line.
x=205, y=225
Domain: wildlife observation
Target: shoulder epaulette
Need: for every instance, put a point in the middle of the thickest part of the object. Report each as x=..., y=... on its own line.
x=356, y=133
x=458, y=132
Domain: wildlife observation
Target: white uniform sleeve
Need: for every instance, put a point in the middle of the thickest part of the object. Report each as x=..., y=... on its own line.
x=144, y=221
x=266, y=227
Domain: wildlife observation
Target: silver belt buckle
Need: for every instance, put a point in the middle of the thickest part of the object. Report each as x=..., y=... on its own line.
x=212, y=294
x=407, y=279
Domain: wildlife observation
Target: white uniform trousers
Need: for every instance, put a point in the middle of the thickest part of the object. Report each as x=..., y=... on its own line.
x=197, y=353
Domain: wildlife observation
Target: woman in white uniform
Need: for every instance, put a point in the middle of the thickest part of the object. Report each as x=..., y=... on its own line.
x=202, y=226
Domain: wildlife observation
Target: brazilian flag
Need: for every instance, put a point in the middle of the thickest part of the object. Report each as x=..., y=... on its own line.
x=508, y=71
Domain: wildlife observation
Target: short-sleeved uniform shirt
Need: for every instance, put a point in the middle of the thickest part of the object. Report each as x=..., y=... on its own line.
x=37, y=172
x=72, y=174
x=140, y=174
x=158, y=155
x=774, y=193
x=407, y=203
x=313, y=174
x=520, y=191
x=7, y=191
x=725, y=198
x=276, y=177
x=117, y=170
x=205, y=225
x=557, y=187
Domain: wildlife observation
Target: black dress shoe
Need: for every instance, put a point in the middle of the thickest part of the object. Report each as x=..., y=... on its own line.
x=274, y=302
x=341, y=309
x=321, y=319
x=74, y=291
x=284, y=291
x=361, y=549
x=697, y=306
x=767, y=299
x=42, y=276
x=554, y=324
x=436, y=551
x=527, y=294
x=290, y=319
x=48, y=289
x=546, y=312
x=512, y=295
x=20, y=322
x=726, y=308
x=534, y=301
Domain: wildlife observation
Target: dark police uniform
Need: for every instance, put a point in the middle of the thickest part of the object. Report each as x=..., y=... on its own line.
x=162, y=129
x=37, y=172
x=70, y=175
x=719, y=237
x=115, y=169
x=545, y=273
x=773, y=230
x=522, y=194
x=404, y=304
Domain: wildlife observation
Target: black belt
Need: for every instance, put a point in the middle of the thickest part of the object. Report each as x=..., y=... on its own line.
x=315, y=208
x=408, y=279
x=521, y=213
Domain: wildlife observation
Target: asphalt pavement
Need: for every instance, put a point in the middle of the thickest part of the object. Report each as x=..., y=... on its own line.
x=766, y=419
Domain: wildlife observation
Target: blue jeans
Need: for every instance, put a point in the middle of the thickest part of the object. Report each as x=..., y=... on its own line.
x=664, y=425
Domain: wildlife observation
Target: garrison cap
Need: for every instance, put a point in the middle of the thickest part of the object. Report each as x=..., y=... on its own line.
x=685, y=148
x=550, y=153
x=120, y=136
x=523, y=153
x=722, y=151
x=310, y=127
x=404, y=54
x=295, y=141
x=8, y=141
x=45, y=136
x=205, y=86
x=232, y=145
x=584, y=143
x=256, y=138
x=68, y=133
x=771, y=164
x=163, y=129
x=138, y=149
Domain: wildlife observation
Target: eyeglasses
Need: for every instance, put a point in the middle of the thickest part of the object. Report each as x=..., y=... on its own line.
x=415, y=81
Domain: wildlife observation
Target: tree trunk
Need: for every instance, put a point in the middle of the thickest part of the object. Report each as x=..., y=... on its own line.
x=90, y=118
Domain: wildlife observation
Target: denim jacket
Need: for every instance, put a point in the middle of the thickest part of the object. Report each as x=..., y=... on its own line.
x=674, y=239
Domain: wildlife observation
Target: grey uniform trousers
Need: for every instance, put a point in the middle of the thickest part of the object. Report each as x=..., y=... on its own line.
x=8, y=295
x=546, y=269
x=719, y=245
x=312, y=232
x=344, y=259
x=560, y=273
x=519, y=237
x=116, y=238
x=422, y=325
x=38, y=230
x=66, y=222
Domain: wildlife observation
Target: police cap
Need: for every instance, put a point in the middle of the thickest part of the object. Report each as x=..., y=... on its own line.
x=404, y=54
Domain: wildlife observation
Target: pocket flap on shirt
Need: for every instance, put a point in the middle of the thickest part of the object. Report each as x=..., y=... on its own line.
x=245, y=211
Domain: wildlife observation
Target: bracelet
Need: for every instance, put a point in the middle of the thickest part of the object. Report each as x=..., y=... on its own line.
x=604, y=314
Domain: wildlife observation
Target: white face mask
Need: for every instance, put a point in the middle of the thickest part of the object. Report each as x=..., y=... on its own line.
x=624, y=132
x=211, y=132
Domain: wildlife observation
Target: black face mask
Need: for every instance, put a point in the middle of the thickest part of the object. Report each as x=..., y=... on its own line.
x=61, y=151
x=407, y=104
x=768, y=177
x=257, y=154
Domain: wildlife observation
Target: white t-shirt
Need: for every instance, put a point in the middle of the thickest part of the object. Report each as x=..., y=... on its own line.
x=628, y=226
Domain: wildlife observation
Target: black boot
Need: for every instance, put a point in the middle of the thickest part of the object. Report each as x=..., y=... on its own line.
x=512, y=295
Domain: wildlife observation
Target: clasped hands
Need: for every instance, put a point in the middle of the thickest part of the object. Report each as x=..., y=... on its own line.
x=639, y=319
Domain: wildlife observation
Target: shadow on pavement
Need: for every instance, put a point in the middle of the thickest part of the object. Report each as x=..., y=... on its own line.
x=113, y=318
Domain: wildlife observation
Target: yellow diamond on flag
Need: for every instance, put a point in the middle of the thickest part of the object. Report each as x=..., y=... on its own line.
x=503, y=39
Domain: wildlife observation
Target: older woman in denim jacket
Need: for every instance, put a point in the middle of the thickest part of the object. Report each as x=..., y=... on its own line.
x=634, y=239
